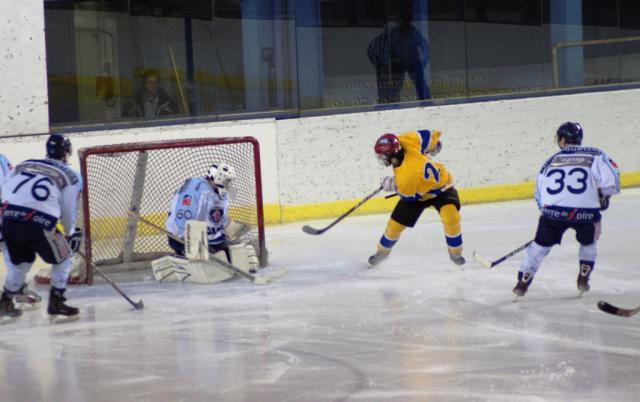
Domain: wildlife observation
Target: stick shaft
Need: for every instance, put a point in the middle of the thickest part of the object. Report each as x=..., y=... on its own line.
x=138, y=306
x=344, y=215
x=490, y=264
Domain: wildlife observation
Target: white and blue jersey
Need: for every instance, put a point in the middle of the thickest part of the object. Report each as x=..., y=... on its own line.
x=196, y=200
x=5, y=168
x=569, y=184
x=43, y=192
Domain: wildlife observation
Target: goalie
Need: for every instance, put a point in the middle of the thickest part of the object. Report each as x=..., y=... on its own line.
x=206, y=201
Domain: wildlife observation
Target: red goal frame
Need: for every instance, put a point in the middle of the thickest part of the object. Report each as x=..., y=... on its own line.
x=85, y=153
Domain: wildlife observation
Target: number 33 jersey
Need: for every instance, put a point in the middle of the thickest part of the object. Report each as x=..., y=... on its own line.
x=570, y=182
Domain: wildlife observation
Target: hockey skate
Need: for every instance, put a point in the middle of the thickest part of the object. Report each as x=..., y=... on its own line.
x=583, y=278
x=457, y=258
x=377, y=258
x=26, y=299
x=524, y=280
x=8, y=312
x=57, y=310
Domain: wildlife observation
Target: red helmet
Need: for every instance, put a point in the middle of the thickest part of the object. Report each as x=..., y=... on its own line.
x=386, y=146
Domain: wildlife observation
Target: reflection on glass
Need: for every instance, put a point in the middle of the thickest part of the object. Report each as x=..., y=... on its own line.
x=138, y=60
x=151, y=100
x=396, y=52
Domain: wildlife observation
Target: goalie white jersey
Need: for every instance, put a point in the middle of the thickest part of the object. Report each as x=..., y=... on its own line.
x=196, y=200
x=569, y=184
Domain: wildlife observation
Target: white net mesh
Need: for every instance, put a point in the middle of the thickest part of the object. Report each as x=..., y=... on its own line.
x=142, y=178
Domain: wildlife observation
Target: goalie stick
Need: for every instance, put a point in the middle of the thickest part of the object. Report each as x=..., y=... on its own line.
x=139, y=305
x=312, y=231
x=611, y=309
x=483, y=262
x=258, y=280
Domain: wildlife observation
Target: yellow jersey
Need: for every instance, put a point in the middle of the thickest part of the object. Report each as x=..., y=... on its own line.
x=419, y=177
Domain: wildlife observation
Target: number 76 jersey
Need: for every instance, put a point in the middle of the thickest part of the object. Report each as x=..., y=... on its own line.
x=43, y=192
x=570, y=182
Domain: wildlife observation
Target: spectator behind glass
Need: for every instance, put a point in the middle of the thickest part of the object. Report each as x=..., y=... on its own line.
x=151, y=99
x=403, y=49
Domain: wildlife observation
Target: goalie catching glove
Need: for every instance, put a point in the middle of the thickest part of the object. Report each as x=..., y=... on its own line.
x=235, y=232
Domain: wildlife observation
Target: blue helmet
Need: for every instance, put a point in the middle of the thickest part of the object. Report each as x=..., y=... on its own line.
x=58, y=146
x=571, y=132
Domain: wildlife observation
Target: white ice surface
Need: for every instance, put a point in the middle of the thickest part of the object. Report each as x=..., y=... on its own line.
x=415, y=328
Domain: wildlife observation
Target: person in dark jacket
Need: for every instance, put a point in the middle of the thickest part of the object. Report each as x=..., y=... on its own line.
x=151, y=99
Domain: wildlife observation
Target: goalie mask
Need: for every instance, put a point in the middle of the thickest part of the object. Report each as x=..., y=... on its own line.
x=221, y=176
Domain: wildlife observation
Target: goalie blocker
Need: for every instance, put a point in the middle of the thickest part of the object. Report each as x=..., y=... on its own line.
x=197, y=267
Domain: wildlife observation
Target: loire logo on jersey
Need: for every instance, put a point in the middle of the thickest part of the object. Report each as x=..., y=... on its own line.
x=186, y=200
x=571, y=214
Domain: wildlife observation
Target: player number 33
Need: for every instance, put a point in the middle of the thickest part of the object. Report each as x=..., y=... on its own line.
x=577, y=175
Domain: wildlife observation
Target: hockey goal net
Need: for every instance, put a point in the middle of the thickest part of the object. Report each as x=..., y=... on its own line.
x=141, y=178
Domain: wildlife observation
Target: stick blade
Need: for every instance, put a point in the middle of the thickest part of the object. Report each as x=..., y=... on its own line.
x=483, y=262
x=611, y=309
x=139, y=305
x=309, y=230
x=267, y=279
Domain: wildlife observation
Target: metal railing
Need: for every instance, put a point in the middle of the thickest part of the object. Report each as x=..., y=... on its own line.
x=554, y=51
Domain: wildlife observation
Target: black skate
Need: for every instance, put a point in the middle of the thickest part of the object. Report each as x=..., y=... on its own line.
x=524, y=280
x=8, y=312
x=57, y=310
x=377, y=258
x=26, y=299
x=583, y=278
x=457, y=258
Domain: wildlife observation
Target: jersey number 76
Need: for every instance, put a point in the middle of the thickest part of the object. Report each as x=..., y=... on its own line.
x=39, y=190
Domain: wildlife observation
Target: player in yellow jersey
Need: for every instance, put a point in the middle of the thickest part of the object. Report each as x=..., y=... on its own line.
x=420, y=182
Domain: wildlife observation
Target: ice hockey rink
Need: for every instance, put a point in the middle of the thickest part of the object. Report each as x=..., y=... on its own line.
x=415, y=328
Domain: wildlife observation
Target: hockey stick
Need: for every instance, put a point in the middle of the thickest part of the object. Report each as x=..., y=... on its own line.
x=623, y=312
x=258, y=280
x=138, y=306
x=490, y=264
x=309, y=230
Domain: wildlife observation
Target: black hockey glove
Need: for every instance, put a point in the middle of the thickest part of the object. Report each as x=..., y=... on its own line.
x=75, y=240
x=604, y=201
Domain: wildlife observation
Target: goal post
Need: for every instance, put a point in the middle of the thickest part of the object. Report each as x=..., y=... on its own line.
x=121, y=181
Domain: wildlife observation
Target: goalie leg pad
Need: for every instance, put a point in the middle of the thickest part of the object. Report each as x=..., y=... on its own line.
x=244, y=257
x=174, y=269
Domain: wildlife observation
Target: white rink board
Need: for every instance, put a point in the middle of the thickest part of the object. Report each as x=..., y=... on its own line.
x=21, y=148
x=329, y=158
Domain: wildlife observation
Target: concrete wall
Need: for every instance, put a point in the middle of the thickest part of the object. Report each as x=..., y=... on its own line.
x=23, y=68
